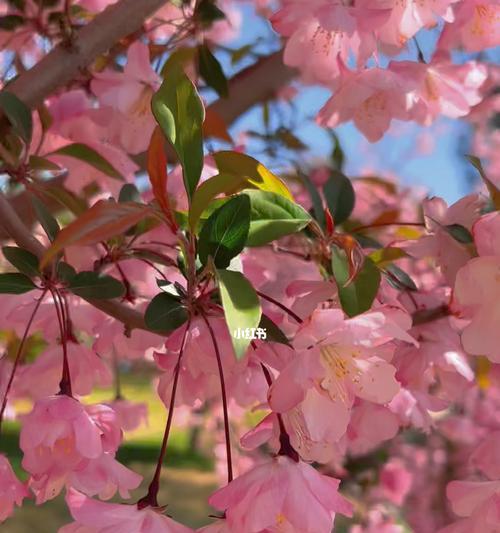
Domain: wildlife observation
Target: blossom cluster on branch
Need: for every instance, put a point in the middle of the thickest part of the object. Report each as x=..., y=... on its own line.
x=370, y=402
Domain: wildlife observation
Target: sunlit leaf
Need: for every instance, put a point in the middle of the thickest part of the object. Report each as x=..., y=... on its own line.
x=385, y=256
x=256, y=173
x=241, y=307
x=209, y=189
x=273, y=216
x=179, y=111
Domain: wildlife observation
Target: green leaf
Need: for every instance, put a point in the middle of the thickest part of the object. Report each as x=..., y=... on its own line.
x=207, y=12
x=459, y=233
x=15, y=283
x=19, y=115
x=358, y=296
x=181, y=57
x=492, y=188
x=273, y=216
x=274, y=333
x=47, y=221
x=179, y=111
x=211, y=71
x=340, y=197
x=97, y=286
x=224, y=234
x=317, y=202
x=384, y=256
x=88, y=155
x=11, y=22
x=165, y=313
x=241, y=306
x=338, y=156
x=65, y=272
x=41, y=163
x=238, y=54
x=24, y=261
x=209, y=189
x=129, y=193
x=399, y=279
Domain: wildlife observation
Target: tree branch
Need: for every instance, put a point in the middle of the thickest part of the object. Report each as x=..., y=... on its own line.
x=65, y=61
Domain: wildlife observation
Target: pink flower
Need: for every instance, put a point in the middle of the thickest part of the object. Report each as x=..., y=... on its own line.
x=395, y=481
x=131, y=415
x=281, y=494
x=67, y=443
x=321, y=31
x=408, y=17
x=449, y=254
x=129, y=95
x=476, y=26
x=12, y=491
x=92, y=516
x=371, y=98
x=477, y=291
x=440, y=87
x=478, y=502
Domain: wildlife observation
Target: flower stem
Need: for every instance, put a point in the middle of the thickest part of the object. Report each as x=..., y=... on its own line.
x=281, y=306
x=65, y=383
x=224, y=401
x=18, y=355
x=286, y=447
x=151, y=498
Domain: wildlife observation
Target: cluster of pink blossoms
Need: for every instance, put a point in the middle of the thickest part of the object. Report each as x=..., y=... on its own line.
x=384, y=419
x=323, y=36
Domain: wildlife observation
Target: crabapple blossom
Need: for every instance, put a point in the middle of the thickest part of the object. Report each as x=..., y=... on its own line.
x=476, y=290
x=140, y=233
x=67, y=443
x=12, y=491
x=287, y=494
x=94, y=516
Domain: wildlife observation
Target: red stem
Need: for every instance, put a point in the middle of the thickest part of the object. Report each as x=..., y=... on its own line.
x=281, y=306
x=65, y=383
x=151, y=498
x=286, y=447
x=18, y=355
x=385, y=224
x=224, y=401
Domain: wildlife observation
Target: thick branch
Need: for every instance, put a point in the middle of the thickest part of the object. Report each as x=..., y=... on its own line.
x=65, y=62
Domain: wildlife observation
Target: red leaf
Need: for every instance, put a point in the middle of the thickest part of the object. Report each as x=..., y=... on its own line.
x=103, y=220
x=157, y=170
